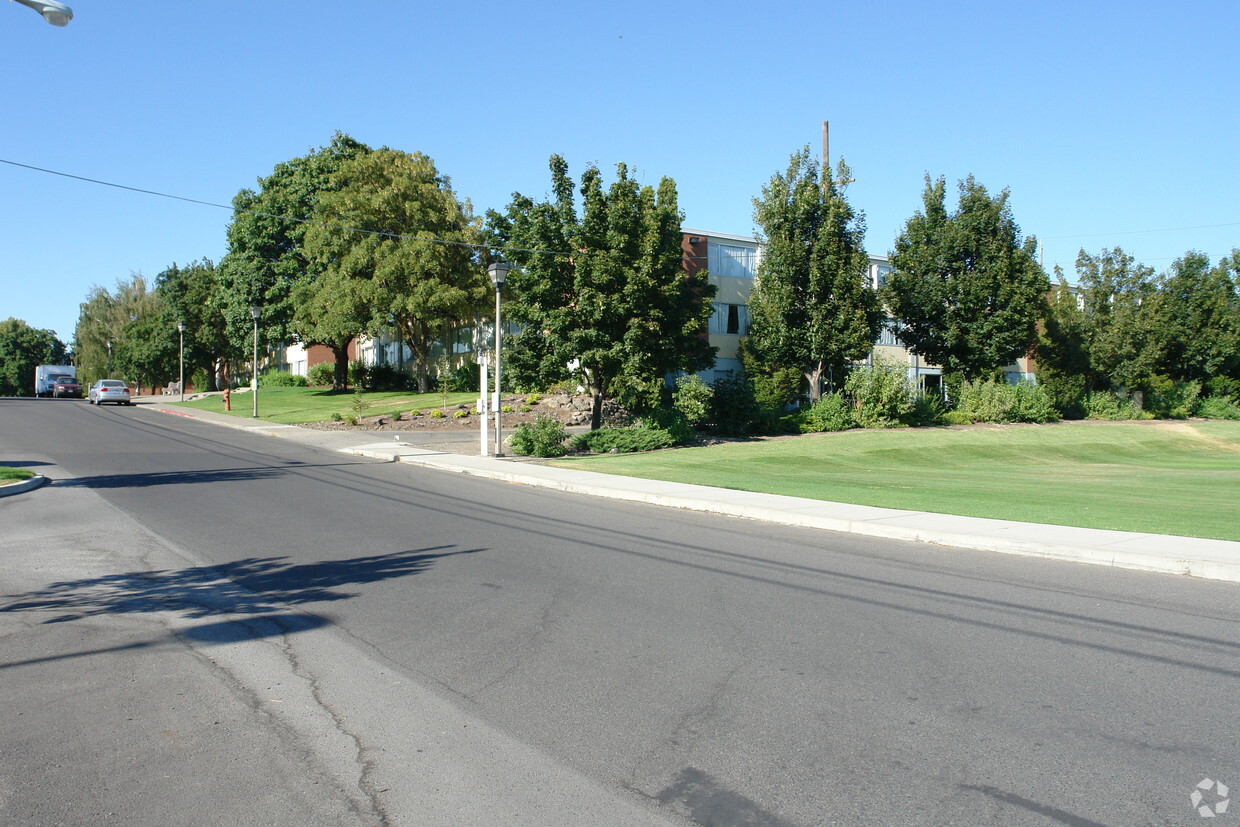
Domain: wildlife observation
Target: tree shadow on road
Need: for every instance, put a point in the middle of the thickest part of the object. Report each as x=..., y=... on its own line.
x=253, y=586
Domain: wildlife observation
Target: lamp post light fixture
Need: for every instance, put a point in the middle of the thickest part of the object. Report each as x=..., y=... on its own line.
x=256, y=312
x=498, y=271
x=181, y=331
x=58, y=14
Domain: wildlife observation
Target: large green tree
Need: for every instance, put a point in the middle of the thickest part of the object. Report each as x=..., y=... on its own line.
x=105, y=323
x=22, y=348
x=966, y=291
x=1119, y=303
x=400, y=250
x=1198, y=319
x=266, y=255
x=604, y=290
x=811, y=307
x=189, y=295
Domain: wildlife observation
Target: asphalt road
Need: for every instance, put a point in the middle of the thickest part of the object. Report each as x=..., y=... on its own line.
x=451, y=650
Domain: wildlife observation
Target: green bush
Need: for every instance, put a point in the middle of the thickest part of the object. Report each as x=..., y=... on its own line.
x=465, y=377
x=734, y=410
x=534, y=398
x=1169, y=399
x=281, y=379
x=928, y=410
x=437, y=414
x=461, y=414
x=830, y=413
x=692, y=398
x=337, y=416
x=199, y=380
x=957, y=418
x=358, y=374
x=881, y=395
x=324, y=373
x=989, y=401
x=1110, y=406
x=623, y=440
x=1066, y=392
x=544, y=437
x=1033, y=403
x=1215, y=386
x=387, y=378
x=1218, y=407
x=673, y=422
x=996, y=402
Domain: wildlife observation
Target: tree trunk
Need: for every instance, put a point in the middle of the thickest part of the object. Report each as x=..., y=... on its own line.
x=813, y=374
x=340, y=371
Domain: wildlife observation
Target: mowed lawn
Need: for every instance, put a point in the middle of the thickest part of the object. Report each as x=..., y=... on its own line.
x=1161, y=477
x=293, y=406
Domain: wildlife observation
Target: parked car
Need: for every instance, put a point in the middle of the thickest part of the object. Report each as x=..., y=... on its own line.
x=45, y=375
x=109, y=390
x=66, y=386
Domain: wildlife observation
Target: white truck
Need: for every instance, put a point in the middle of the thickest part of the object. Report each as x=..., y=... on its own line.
x=45, y=377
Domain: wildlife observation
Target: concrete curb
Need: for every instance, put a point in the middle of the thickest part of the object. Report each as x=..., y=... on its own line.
x=23, y=486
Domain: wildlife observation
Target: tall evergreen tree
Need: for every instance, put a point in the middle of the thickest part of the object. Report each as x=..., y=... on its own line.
x=604, y=291
x=811, y=307
x=966, y=291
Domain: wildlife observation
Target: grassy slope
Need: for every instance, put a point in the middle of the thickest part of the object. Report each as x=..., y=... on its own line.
x=292, y=406
x=1167, y=478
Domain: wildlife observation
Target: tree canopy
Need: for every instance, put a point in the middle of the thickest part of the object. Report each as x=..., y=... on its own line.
x=966, y=291
x=811, y=307
x=604, y=290
x=22, y=348
x=414, y=264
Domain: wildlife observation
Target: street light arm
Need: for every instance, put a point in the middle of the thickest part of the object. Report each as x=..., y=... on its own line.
x=58, y=14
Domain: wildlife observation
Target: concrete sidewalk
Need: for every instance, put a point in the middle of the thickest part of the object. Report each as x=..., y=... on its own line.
x=458, y=452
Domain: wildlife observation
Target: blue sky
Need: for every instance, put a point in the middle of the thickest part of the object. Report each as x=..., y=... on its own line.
x=1112, y=124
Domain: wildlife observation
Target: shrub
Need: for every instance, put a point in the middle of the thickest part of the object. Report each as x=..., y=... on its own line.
x=415, y=412
x=465, y=377
x=1109, y=405
x=437, y=414
x=388, y=378
x=360, y=403
x=533, y=398
x=1218, y=407
x=1033, y=403
x=623, y=440
x=692, y=398
x=957, y=418
x=1215, y=386
x=460, y=414
x=733, y=409
x=881, y=395
x=281, y=379
x=505, y=409
x=324, y=373
x=358, y=374
x=337, y=416
x=830, y=413
x=1066, y=392
x=542, y=438
x=525, y=409
x=673, y=422
x=1169, y=399
x=928, y=410
x=199, y=380
x=989, y=401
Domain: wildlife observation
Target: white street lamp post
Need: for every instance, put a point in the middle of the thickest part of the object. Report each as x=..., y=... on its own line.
x=498, y=271
x=181, y=384
x=256, y=312
x=58, y=14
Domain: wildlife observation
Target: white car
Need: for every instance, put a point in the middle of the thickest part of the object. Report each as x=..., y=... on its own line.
x=109, y=390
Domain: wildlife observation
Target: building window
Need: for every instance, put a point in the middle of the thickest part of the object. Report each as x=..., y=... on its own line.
x=887, y=334
x=881, y=272
x=732, y=261
x=730, y=320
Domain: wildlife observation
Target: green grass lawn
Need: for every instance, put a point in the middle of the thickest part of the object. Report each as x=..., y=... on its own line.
x=9, y=475
x=1162, y=477
x=293, y=406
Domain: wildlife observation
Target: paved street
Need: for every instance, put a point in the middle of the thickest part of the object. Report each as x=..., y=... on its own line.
x=307, y=637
